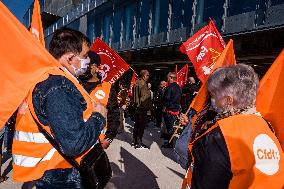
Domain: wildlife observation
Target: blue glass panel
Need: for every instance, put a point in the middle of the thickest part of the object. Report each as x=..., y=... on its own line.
x=177, y=6
x=210, y=8
x=106, y=28
x=129, y=21
x=277, y=2
x=160, y=16
x=187, y=13
x=164, y=14
x=91, y=26
x=117, y=25
x=98, y=25
x=235, y=7
x=144, y=18
x=74, y=25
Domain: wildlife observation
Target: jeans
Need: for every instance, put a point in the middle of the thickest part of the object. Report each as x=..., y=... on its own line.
x=169, y=122
x=60, y=178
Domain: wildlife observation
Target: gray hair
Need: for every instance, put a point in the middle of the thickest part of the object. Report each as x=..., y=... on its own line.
x=240, y=82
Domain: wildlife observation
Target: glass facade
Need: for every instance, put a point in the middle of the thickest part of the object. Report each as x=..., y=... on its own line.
x=142, y=22
x=235, y=7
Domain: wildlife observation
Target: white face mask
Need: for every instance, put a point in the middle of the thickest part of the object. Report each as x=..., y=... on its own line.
x=84, y=63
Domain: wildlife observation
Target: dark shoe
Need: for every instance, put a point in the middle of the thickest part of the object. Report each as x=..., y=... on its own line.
x=145, y=146
x=3, y=178
x=167, y=145
x=141, y=147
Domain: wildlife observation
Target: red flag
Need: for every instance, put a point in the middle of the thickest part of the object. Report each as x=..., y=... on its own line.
x=133, y=80
x=270, y=101
x=36, y=25
x=182, y=75
x=23, y=60
x=227, y=58
x=203, y=50
x=112, y=65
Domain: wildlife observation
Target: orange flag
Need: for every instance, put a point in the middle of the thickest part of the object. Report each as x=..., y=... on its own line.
x=36, y=25
x=270, y=97
x=23, y=59
x=226, y=58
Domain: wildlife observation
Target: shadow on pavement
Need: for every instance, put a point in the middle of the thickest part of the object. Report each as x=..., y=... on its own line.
x=132, y=174
x=151, y=135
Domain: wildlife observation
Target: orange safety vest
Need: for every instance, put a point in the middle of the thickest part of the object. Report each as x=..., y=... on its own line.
x=257, y=160
x=101, y=94
x=32, y=152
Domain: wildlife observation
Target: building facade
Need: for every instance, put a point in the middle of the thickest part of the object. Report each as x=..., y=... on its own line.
x=149, y=32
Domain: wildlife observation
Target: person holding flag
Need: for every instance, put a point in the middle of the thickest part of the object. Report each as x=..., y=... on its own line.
x=61, y=106
x=171, y=106
x=105, y=93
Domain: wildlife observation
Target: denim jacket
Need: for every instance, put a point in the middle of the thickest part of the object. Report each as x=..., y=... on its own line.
x=60, y=105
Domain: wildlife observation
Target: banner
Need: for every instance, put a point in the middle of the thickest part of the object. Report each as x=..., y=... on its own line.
x=36, y=25
x=133, y=80
x=203, y=49
x=227, y=58
x=112, y=65
x=23, y=60
x=270, y=97
x=182, y=76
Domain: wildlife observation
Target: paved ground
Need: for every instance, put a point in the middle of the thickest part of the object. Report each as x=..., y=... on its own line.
x=132, y=168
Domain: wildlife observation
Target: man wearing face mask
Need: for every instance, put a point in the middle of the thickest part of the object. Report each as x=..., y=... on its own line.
x=61, y=105
x=104, y=93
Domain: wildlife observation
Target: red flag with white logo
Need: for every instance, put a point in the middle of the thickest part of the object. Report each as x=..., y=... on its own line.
x=112, y=65
x=203, y=49
x=133, y=80
x=182, y=76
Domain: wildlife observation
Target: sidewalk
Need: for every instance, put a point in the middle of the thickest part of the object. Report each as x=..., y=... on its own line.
x=152, y=168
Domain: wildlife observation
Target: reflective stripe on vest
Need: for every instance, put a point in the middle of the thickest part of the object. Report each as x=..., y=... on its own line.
x=32, y=153
x=26, y=161
x=30, y=137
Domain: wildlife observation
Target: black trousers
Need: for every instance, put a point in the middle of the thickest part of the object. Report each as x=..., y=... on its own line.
x=141, y=119
x=159, y=115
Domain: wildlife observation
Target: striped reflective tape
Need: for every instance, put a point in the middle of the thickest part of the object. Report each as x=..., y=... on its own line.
x=26, y=161
x=30, y=137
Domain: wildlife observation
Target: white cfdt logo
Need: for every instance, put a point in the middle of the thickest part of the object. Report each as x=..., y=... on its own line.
x=266, y=154
x=100, y=94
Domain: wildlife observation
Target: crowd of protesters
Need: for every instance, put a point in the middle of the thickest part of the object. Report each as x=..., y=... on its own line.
x=62, y=103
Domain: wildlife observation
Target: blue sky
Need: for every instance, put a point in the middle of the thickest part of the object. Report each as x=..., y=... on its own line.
x=18, y=7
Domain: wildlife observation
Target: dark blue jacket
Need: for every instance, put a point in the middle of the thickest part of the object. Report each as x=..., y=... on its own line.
x=60, y=105
x=172, y=97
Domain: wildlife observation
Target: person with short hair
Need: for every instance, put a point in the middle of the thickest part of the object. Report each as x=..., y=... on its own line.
x=123, y=100
x=189, y=90
x=105, y=93
x=159, y=103
x=64, y=109
x=172, y=107
x=239, y=150
x=142, y=103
